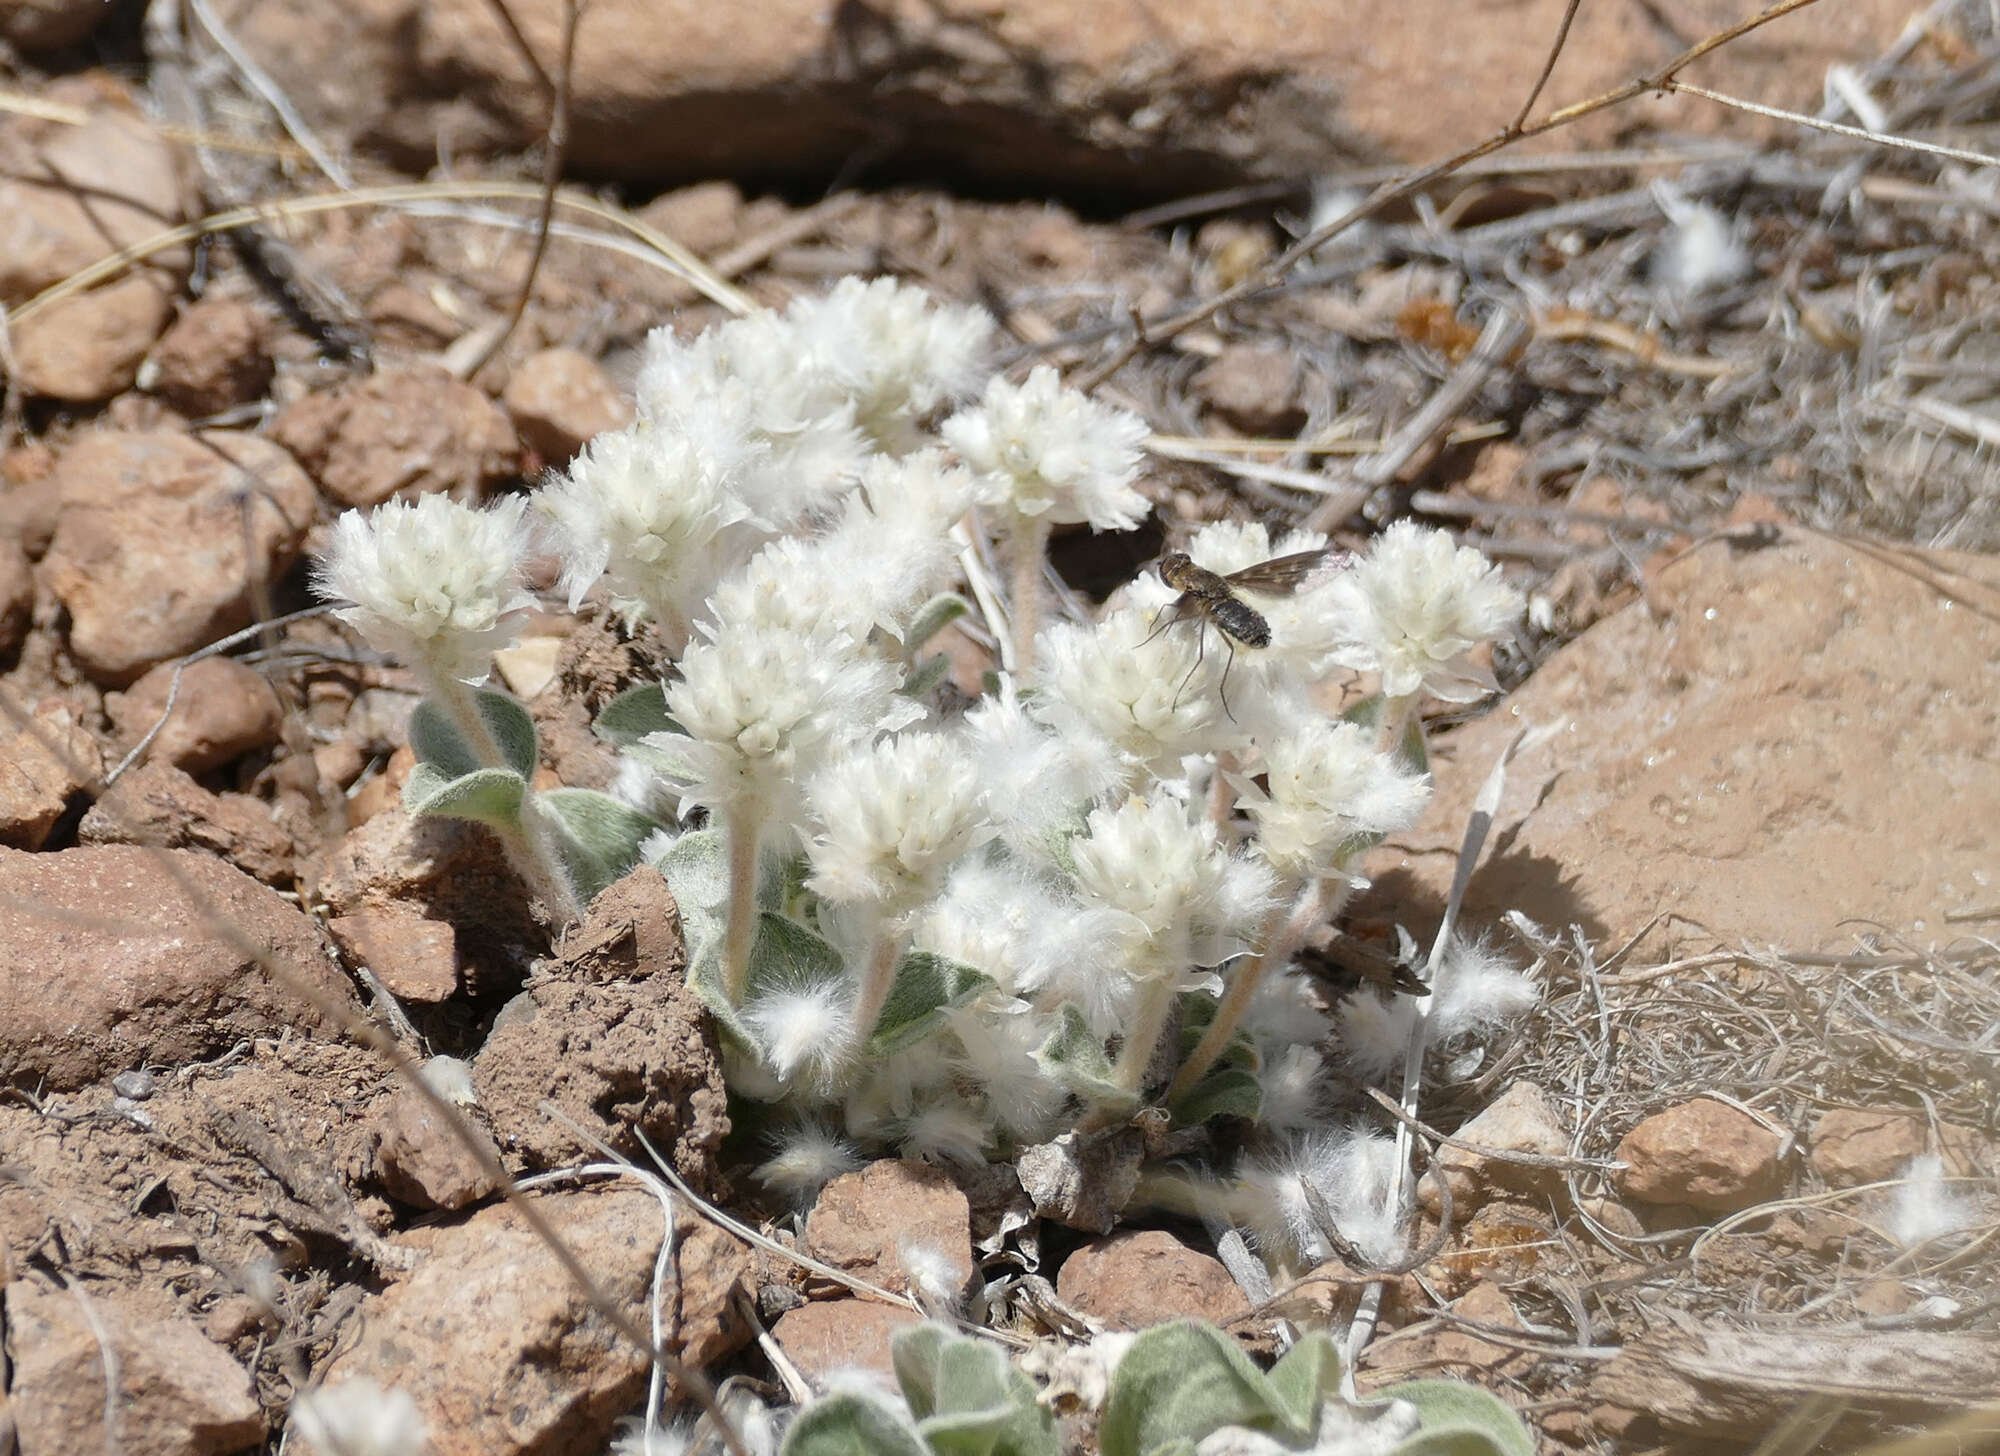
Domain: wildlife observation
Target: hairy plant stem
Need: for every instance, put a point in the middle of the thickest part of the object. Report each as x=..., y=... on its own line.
x=531, y=847
x=1394, y=725
x=740, y=933
x=877, y=977
x=1142, y=1039
x=1283, y=930
x=1030, y=539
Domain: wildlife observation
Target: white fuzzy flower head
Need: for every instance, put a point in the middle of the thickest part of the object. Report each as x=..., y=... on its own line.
x=1327, y=785
x=806, y=1034
x=1031, y=936
x=1150, y=861
x=892, y=352
x=1151, y=691
x=893, y=818
x=751, y=379
x=1045, y=451
x=359, y=1418
x=433, y=582
x=1417, y=605
x=1039, y=783
x=763, y=709
x=643, y=507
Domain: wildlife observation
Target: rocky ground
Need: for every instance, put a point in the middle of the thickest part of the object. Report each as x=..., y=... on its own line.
x=1748, y=843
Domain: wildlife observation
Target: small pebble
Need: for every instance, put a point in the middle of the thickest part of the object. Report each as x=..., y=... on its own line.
x=137, y=1086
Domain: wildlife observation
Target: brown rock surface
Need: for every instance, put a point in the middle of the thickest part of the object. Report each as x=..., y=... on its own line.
x=162, y=807
x=1132, y=1280
x=414, y=429
x=1704, y=1154
x=71, y=194
x=415, y=958
x=44, y=763
x=1255, y=387
x=78, y=1002
x=45, y=25
x=222, y=710
x=149, y=549
x=421, y=1160
x=89, y=346
x=1519, y=1120
x=1122, y=93
x=500, y=1349
x=1850, y=1146
x=17, y=592
x=213, y=356
x=611, y=1034
x=179, y=1394
x=559, y=398
x=1762, y=753
x=874, y=1222
x=823, y=1337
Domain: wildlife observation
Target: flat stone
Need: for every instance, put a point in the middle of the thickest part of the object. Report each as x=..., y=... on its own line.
x=415, y=958
x=411, y=429
x=500, y=1349
x=89, y=346
x=1758, y=750
x=421, y=1161
x=132, y=973
x=560, y=398
x=44, y=763
x=214, y=355
x=871, y=1223
x=1519, y=1120
x=1704, y=1154
x=179, y=1394
x=827, y=1336
x=162, y=807
x=1850, y=1146
x=1148, y=1277
x=149, y=553
x=1254, y=387
x=222, y=711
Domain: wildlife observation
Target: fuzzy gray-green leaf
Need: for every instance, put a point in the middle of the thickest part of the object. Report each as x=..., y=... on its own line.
x=633, y=714
x=849, y=1425
x=932, y=618
x=927, y=985
x=436, y=739
x=1181, y=1381
x=1460, y=1419
x=600, y=836
x=486, y=795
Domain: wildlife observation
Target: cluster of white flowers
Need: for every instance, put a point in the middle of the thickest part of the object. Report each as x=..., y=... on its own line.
x=988, y=923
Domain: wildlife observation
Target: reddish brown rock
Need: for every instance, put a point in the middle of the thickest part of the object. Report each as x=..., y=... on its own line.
x=222, y=711
x=500, y=1349
x=704, y=218
x=1758, y=750
x=178, y=1393
x=1850, y=1146
x=214, y=356
x=414, y=958
x=1255, y=387
x=422, y=1161
x=44, y=763
x=132, y=972
x=1452, y=1351
x=30, y=499
x=89, y=346
x=875, y=1222
x=1704, y=1154
x=162, y=807
x=558, y=399
x=411, y=429
x=17, y=593
x=824, y=1337
x=1520, y=1120
x=1146, y=1277
x=611, y=1035
x=1118, y=94
x=150, y=547
x=71, y=194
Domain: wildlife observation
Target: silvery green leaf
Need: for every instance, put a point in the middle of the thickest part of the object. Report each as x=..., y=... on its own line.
x=1076, y=1058
x=600, y=836
x=633, y=714
x=1225, y=1092
x=435, y=739
x=1182, y=1381
x=849, y=1425
x=932, y=618
x=786, y=956
x=968, y=1398
x=1307, y=1376
x=926, y=986
x=1459, y=1419
x=485, y=795
x=696, y=869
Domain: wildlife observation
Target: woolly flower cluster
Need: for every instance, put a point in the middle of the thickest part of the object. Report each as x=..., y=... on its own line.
x=958, y=929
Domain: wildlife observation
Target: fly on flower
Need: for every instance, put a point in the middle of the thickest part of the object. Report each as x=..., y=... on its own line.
x=1206, y=596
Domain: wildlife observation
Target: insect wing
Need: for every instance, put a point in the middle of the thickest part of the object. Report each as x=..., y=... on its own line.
x=1283, y=575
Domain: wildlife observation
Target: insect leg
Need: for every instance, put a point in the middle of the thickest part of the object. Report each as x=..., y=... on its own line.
x=1222, y=689
x=1200, y=646
x=1161, y=620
